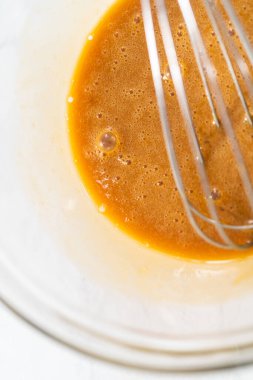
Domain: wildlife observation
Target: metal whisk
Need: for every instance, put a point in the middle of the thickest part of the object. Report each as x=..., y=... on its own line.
x=212, y=89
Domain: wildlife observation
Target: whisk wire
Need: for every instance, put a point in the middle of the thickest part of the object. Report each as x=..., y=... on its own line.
x=209, y=79
x=177, y=79
x=239, y=28
x=220, y=30
x=220, y=104
x=233, y=49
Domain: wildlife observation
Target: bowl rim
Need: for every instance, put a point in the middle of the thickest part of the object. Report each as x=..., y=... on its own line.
x=125, y=347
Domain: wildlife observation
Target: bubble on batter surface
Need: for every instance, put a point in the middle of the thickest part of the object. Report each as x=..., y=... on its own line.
x=137, y=19
x=108, y=142
x=124, y=161
x=166, y=75
x=215, y=194
x=231, y=32
x=102, y=208
x=70, y=99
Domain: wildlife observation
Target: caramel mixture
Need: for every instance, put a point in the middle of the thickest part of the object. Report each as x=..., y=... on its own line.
x=117, y=140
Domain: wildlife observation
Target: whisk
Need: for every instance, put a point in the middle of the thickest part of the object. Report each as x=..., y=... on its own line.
x=212, y=89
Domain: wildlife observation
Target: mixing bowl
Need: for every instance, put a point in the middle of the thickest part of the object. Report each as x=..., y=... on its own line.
x=63, y=266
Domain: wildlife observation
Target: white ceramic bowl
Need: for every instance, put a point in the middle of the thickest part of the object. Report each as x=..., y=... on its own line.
x=63, y=267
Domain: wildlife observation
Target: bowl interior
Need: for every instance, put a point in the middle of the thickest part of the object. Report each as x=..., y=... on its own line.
x=53, y=241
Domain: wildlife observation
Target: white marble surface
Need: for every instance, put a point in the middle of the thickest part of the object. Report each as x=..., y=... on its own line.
x=25, y=354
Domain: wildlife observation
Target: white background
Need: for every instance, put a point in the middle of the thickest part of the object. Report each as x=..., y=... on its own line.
x=26, y=354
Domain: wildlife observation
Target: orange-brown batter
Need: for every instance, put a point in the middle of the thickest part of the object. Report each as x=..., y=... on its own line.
x=117, y=140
